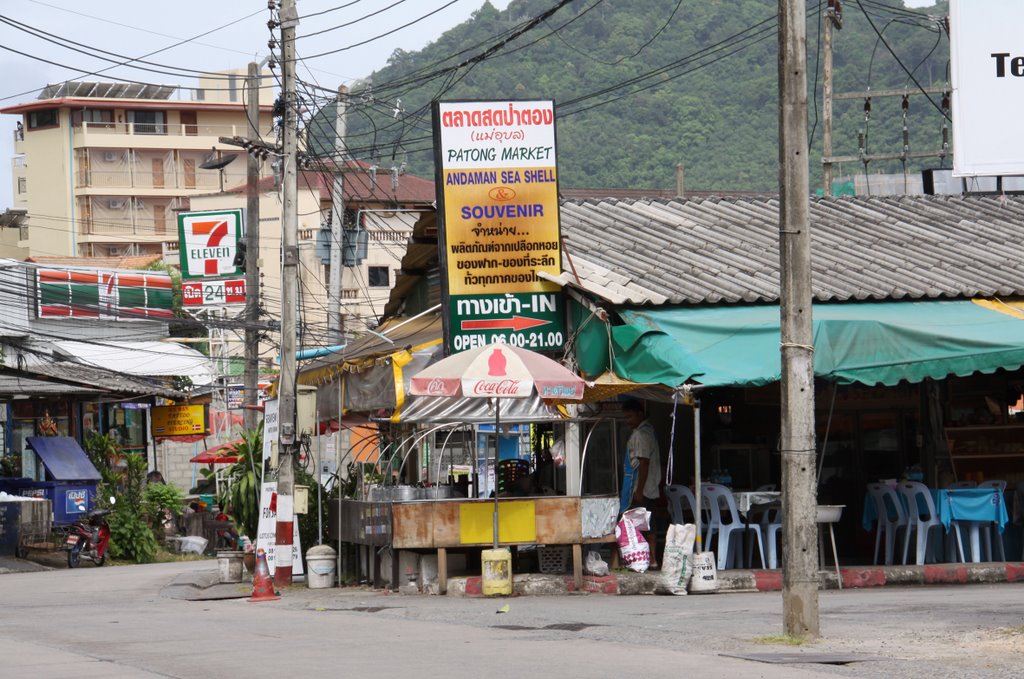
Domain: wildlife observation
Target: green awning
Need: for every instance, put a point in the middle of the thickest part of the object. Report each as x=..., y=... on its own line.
x=866, y=342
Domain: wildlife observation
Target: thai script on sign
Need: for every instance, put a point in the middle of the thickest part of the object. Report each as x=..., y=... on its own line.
x=498, y=117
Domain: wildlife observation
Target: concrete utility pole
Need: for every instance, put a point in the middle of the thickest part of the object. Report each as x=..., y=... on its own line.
x=289, y=300
x=252, y=255
x=797, y=441
x=337, y=220
x=833, y=18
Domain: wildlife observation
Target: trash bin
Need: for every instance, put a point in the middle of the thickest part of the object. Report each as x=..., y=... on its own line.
x=322, y=563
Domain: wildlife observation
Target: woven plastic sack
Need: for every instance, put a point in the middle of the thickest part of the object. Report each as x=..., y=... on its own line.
x=677, y=563
x=639, y=517
x=635, y=551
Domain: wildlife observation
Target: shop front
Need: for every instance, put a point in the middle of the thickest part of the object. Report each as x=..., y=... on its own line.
x=927, y=391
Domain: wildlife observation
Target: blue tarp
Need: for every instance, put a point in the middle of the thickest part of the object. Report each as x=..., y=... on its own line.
x=63, y=458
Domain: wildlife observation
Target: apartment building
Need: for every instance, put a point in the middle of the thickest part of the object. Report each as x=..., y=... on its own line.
x=101, y=168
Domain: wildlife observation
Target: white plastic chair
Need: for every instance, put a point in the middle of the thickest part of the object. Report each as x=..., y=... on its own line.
x=921, y=519
x=716, y=497
x=988, y=528
x=679, y=498
x=963, y=484
x=892, y=517
x=765, y=525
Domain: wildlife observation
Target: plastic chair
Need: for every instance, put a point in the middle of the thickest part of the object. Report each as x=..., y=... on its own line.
x=765, y=524
x=716, y=497
x=963, y=484
x=988, y=527
x=921, y=519
x=892, y=517
x=679, y=498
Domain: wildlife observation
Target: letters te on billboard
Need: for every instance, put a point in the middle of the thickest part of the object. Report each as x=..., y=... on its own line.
x=208, y=242
x=987, y=68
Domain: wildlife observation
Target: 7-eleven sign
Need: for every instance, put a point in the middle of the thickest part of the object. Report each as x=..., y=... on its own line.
x=208, y=242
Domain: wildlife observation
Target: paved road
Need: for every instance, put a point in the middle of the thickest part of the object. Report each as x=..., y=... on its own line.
x=113, y=622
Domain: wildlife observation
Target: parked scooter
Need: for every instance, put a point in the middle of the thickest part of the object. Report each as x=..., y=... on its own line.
x=88, y=538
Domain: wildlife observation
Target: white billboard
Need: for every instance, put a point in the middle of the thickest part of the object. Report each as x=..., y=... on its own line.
x=987, y=62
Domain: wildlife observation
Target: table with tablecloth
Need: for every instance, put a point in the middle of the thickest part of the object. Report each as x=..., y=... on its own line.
x=978, y=505
x=745, y=500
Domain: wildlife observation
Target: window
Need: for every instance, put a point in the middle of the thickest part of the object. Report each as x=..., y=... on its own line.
x=22, y=185
x=93, y=117
x=379, y=277
x=148, y=122
x=45, y=118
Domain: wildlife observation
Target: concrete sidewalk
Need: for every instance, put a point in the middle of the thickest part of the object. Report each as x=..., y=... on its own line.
x=205, y=586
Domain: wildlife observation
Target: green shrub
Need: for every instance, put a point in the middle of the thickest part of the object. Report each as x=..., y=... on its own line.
x=131, y=533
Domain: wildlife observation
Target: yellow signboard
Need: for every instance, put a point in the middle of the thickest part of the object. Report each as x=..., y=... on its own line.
x=499, y=232
x=517, y=522
x=178, y=420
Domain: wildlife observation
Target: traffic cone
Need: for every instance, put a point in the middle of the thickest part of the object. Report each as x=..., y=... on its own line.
x=262, y=583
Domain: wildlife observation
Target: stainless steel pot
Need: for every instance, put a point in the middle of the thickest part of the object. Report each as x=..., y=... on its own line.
x=403, y=493
x=437, y=493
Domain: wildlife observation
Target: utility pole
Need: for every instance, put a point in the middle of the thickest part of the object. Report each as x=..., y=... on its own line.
x=833, y=18
x=337, y=220
x=289, y=300
x=252, y=255
x=797, y=441
x=679, y=180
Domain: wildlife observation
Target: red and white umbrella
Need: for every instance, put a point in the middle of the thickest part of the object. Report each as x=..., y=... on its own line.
x=497, y=371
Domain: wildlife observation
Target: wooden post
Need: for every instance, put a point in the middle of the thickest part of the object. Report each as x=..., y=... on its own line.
x=442, y=570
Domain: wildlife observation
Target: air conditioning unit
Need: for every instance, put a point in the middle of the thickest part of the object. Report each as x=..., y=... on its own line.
x=110, y=156
x=117, y=203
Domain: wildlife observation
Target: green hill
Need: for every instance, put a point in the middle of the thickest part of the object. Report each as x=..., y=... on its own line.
x=638, y=93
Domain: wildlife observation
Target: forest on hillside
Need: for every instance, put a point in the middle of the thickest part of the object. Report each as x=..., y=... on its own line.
x=643, y=85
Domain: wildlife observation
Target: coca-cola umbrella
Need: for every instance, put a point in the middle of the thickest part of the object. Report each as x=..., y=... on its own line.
x=498, y=371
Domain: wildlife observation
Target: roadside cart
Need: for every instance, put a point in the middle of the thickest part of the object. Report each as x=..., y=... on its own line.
x=69, y=478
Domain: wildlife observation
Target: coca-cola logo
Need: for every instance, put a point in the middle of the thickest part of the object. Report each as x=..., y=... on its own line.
x=436, y=387
x=496, y=388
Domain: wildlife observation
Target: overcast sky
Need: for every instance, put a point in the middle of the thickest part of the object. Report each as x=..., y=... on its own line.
x=133, y=29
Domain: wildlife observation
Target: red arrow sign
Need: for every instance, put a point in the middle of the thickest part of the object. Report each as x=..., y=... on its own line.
x=514, y=323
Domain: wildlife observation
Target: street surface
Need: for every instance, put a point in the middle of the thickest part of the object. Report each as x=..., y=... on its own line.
x=113, y=622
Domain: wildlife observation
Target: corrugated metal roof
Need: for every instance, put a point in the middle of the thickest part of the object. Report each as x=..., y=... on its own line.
x=719, y=250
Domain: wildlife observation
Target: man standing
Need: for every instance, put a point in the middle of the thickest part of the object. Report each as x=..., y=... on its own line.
x=645, y=461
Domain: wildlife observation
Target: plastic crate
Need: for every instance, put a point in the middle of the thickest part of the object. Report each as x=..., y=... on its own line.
x=553, y=560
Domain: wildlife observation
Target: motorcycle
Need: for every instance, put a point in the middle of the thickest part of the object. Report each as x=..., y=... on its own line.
x=88, y=538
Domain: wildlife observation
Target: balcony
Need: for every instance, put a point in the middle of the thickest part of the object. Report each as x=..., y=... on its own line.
x=123, y=218
x=167, y=172
x=155, y=135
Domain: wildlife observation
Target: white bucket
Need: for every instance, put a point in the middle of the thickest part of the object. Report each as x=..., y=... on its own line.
x=321, y=562
x=705, y=573
x=229, y=564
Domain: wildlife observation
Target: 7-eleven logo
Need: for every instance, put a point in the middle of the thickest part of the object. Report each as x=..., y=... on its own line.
x=209, y=242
